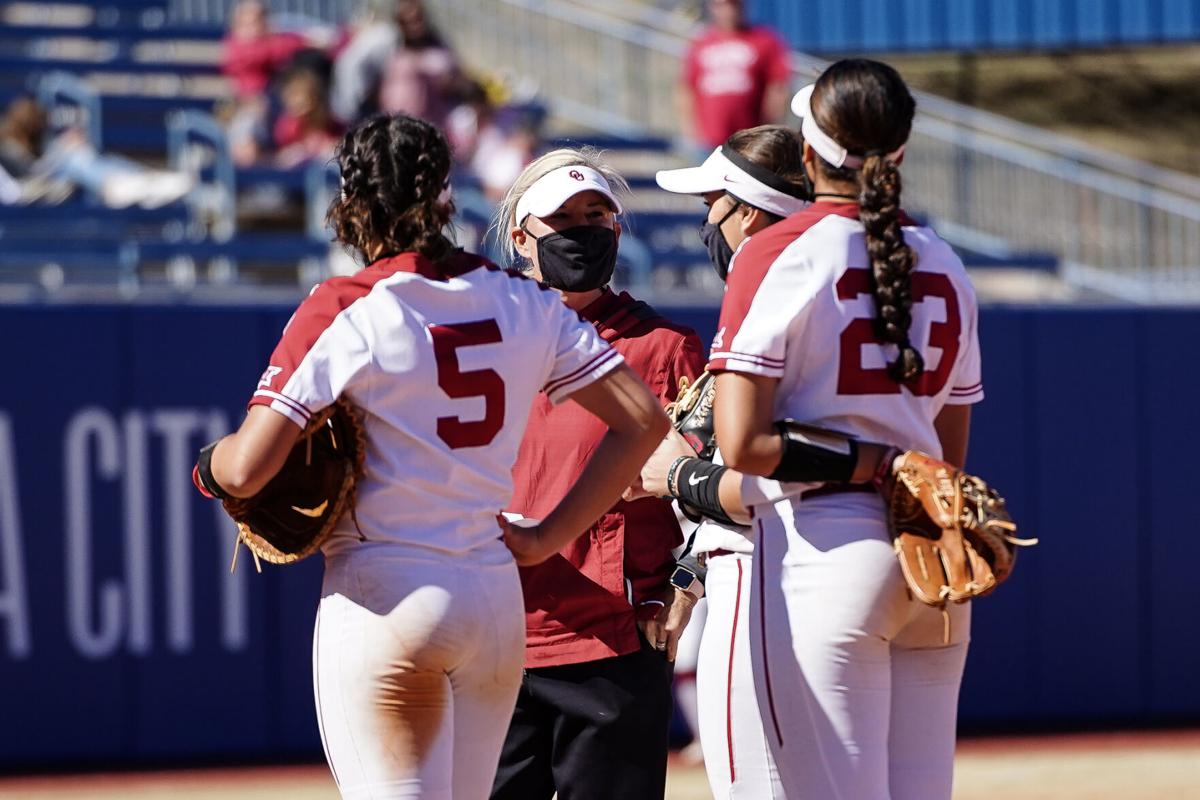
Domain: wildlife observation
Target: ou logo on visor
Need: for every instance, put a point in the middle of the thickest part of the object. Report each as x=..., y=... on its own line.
x=576, y=174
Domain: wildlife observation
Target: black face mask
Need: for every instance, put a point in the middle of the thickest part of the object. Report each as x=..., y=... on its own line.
x=578, y=259
x=719, y=251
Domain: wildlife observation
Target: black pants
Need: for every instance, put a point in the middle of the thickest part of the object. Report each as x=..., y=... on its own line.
x=593, y=731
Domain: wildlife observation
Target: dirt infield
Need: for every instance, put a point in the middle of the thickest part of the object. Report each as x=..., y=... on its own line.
x=1097, y=766
x=1094, y=766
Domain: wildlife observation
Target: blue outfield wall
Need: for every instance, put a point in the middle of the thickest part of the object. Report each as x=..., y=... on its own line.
x=124, y=638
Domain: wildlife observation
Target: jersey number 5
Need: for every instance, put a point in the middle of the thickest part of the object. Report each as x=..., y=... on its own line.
x=485, y=383
x=853, y=378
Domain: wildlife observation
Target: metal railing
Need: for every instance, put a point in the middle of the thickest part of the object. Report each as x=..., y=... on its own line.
x=197, y=144
x=71, y=103
x=1117, y=223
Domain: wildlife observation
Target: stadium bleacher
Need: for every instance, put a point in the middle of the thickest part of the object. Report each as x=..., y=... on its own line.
x=145, y=86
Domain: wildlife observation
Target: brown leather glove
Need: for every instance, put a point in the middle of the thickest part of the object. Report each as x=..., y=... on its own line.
x=293, y=515
x=951, y=531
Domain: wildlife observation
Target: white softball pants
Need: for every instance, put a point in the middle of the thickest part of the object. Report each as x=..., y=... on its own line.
x=417, y=661
x=686, y=657
x=736, y=755
x=857, y=689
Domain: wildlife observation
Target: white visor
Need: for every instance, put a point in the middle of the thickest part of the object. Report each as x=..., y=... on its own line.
x=719, y=174
x=554, y=188
x=822, y=142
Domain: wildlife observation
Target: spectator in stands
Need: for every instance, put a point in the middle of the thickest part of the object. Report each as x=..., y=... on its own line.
x=293, y=123
x=306, y=129
x=21, y=133
x=423, y=75
x=35, y=165
x=252, y=53
x=493, y=143
x=735, y=76
x=373, y=39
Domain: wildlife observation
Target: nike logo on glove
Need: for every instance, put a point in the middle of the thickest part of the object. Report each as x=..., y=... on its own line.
x=312, y=512
x=694, y=481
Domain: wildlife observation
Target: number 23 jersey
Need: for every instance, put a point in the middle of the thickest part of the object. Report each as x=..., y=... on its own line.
x=444, y=361
x=799, y=307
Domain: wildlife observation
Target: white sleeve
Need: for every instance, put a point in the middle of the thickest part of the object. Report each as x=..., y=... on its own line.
x=966, y=384
x=580, y=356
x=765, y=295
x=315, y=361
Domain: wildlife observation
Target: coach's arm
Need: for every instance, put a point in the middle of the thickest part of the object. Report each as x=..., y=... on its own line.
x=636, y=424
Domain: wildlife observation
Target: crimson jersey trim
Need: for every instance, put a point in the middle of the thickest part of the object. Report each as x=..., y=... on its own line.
x=555, y=389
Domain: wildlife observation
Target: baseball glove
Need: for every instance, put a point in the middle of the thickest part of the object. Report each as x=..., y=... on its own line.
x=692, y=416
x=951, y=531
x=298, y=509
x=692, y=413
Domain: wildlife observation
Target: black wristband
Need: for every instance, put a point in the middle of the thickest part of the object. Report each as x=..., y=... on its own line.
x=204, y=472
x=813, y=455
x=697, y=484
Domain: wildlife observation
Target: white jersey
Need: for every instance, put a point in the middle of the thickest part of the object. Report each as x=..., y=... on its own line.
x=445, y=363
x=798, y=307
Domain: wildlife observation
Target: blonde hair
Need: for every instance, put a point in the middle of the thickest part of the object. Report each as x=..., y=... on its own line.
x=586, y=156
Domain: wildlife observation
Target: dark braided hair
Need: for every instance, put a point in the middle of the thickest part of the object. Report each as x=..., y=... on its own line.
x=866, y=108
x=394, y=169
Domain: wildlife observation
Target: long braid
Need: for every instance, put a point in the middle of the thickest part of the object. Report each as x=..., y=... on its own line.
x=865, y=106
x=892, y=263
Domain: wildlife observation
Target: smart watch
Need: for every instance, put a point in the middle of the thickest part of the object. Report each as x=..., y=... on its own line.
x=685, y=580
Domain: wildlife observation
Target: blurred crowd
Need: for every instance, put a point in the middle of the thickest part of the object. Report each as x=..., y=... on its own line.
x=44, y=162
x=296, y=85
x=296, y=91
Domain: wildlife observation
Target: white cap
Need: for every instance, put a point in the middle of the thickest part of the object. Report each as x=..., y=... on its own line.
x=822, y=142
x=726, y=170
x=558, y=186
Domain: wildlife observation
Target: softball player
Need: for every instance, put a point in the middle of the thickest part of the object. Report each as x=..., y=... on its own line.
x=756, y=179
x=419, y=637
x=752, y=181
x=851, y=316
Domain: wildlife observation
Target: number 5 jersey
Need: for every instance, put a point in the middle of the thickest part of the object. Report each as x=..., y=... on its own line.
x=445, y=361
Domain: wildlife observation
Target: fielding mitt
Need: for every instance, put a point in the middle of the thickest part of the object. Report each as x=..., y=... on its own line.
x=293, y=515
x=692, y=413
x=951, y=531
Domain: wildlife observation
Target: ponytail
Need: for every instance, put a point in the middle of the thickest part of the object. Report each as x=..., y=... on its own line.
x=892, y=262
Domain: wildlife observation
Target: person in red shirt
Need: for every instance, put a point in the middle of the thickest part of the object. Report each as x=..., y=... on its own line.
x=602, y=620
x=735, y=76
x=305, y=129
x=251, y=53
